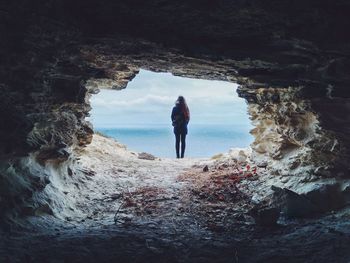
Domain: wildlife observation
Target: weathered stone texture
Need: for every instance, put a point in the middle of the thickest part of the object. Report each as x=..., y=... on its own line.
x=291, y=59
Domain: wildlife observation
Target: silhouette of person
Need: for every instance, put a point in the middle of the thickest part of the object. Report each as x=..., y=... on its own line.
x=180, y=117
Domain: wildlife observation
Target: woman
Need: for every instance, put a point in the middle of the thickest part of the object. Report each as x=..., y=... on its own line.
x=180, y=117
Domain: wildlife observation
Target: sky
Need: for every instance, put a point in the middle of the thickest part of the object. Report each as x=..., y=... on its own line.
x=149, y=97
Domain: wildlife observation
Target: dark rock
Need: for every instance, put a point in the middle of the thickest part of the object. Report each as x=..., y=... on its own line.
x=205, y=168
x=297, y=205
x=320, y=199
x=116, y=196
x=346, y=194
x=293, y=205
x=327, y=197
x=46, y=180
x=262, y=164
x=53, y=155
x=267, y=216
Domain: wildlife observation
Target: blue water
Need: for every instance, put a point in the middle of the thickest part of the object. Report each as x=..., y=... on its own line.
x=201, y=141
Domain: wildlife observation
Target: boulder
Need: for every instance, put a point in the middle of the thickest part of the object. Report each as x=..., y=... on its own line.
x=320, y=198
x=326, y=197
x=293, y=205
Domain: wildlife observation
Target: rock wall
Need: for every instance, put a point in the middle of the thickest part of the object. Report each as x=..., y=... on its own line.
x=291, y=136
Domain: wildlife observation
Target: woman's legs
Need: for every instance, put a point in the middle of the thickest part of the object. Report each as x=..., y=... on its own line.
x=183, y=144
x=177, y=144
x=180, y=137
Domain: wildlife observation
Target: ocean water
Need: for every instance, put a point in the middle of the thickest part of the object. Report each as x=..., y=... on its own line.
x=201, y=141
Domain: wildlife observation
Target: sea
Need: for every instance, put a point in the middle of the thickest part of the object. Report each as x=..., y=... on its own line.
x=201, y=141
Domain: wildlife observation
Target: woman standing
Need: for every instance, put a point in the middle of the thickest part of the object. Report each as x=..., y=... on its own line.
x=180, y=117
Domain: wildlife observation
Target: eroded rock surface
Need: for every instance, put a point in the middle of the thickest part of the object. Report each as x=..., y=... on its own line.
x=122, y=208
x=291, y=59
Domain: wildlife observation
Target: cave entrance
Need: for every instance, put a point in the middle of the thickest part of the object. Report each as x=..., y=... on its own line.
x=139, y=116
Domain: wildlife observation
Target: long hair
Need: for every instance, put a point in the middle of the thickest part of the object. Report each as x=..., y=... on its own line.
x=184, y=108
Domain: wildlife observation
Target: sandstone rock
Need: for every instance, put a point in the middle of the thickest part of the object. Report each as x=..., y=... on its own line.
x=242, y=157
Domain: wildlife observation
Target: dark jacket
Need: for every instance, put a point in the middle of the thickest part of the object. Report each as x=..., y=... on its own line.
x=179, y=120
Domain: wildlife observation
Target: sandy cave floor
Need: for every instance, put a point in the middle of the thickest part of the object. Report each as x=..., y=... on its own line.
x=167, y=210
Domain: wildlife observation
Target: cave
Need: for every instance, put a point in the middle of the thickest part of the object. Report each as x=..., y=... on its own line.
x=291, y=61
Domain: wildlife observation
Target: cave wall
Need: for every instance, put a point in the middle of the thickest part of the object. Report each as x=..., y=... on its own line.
x=291, y=59
x=292, y=136
x=46, y=47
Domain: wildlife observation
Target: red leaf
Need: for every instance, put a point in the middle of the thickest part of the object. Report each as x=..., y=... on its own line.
x=221, y=197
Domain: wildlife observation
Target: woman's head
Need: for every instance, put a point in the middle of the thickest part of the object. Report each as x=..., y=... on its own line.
x=181, y=100
x=183, y=105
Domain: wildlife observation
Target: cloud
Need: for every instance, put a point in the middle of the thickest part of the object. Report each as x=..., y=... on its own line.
x=151, y=96
x=150, y=99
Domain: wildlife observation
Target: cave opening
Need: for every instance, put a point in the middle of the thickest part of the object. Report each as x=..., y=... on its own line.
x=139, y=115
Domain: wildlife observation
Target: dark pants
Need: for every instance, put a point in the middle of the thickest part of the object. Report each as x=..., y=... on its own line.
x=180, y=137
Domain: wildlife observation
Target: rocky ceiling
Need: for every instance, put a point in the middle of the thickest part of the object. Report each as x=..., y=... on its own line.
x=291, y=58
